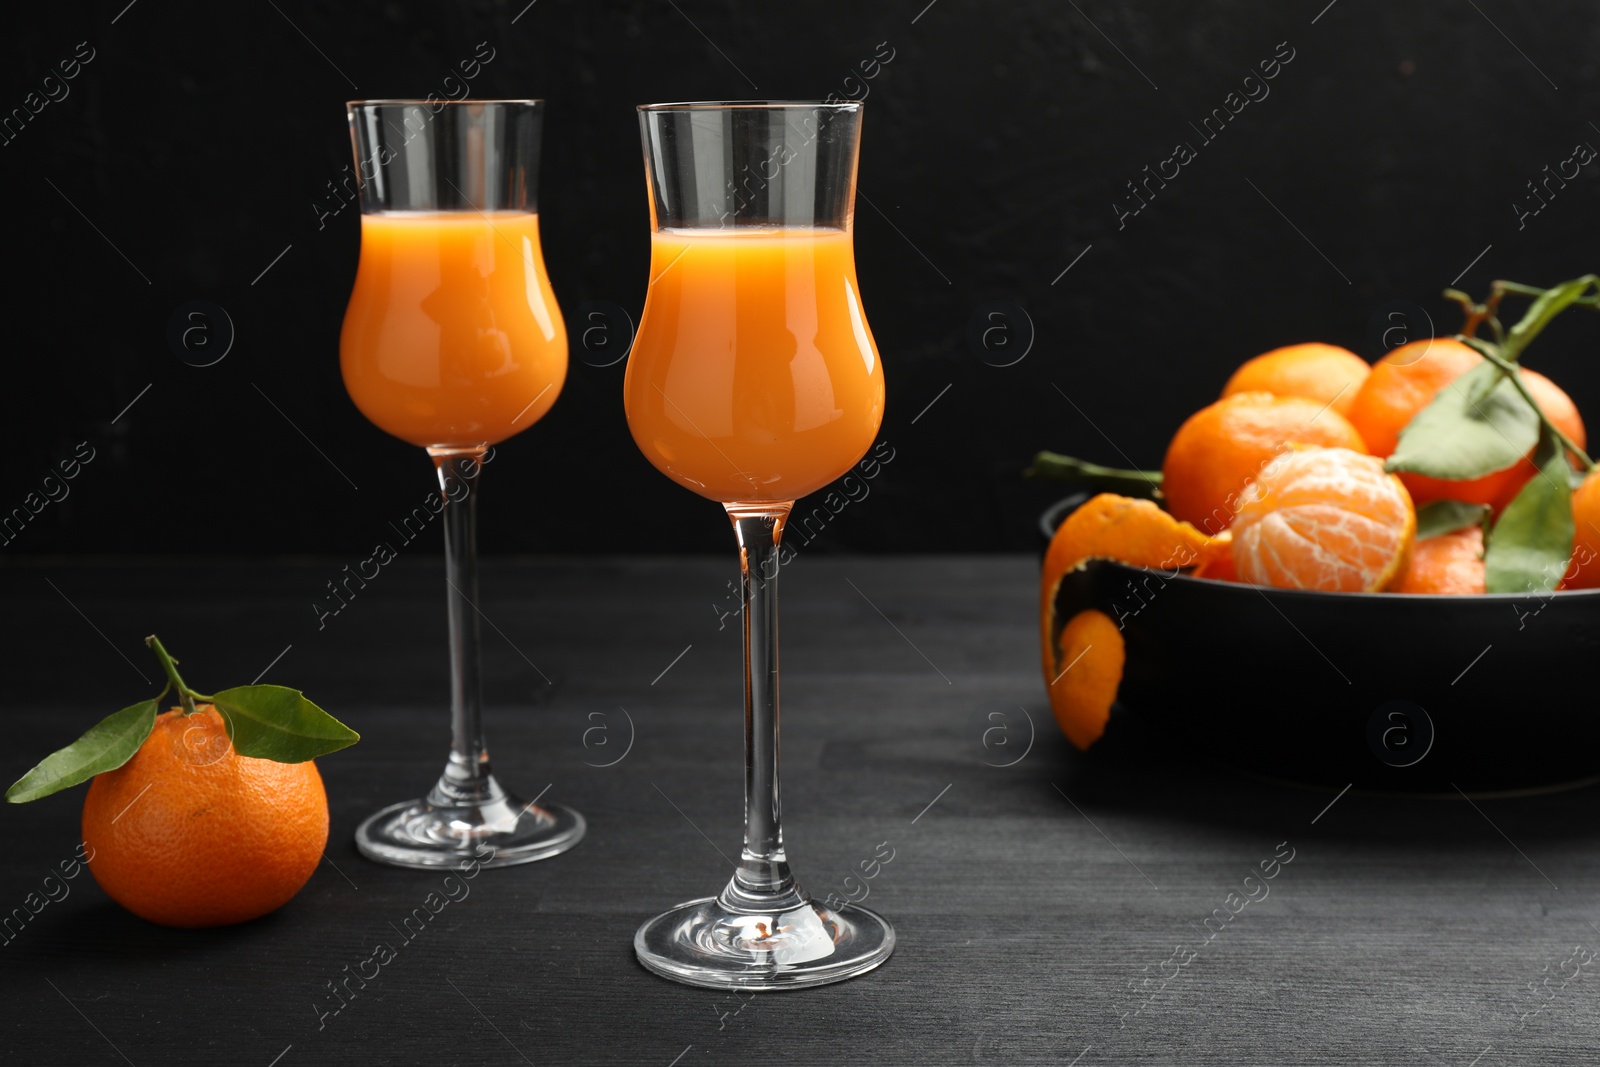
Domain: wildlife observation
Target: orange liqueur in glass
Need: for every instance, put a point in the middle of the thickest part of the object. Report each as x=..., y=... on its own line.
x=754, y=376
x=452, y=336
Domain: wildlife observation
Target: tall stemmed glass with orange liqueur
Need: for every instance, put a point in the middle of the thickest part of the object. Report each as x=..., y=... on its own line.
x=754, y=380
x=453, y=341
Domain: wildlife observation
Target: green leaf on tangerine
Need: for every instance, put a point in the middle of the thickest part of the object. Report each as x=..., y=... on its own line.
x=1532, y=540
x=276, y=723
x=1457, y=438
x=107, y=745
x=1447, y=516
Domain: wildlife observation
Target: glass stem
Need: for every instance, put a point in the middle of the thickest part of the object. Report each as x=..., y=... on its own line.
x=466, y=779
x=762, y=881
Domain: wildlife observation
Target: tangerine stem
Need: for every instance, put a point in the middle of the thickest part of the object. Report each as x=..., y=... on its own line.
x=1517, y=287
x=1094, y=477
x=170, y=665
x=1547, y=304
x=1476, y=313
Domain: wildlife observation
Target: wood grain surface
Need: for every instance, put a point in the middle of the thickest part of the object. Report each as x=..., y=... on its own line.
x=1062, y=909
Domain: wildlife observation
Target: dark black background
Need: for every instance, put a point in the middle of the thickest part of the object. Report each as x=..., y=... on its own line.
x=201, y=136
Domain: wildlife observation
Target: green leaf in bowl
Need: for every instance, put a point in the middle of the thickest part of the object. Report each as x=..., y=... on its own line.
x=1458, y=436
x=1532, y=540
x=1447, y=516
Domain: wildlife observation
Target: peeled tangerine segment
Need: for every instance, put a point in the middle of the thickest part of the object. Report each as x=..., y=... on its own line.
x=1327, y=519
x=1107, y=526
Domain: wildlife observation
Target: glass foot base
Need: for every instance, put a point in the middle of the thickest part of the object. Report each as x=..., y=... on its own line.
x=704, y=943
x=417, y=833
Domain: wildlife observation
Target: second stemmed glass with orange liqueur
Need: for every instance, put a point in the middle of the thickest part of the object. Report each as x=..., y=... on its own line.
x=753, y=381
x=453, y=341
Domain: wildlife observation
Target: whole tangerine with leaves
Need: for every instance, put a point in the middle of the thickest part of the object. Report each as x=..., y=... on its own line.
x=1407, y=380
x=1497, y=489
x=190, y=833
x=207, y=814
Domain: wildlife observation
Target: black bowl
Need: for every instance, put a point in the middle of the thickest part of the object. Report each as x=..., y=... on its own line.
x=1385, y=691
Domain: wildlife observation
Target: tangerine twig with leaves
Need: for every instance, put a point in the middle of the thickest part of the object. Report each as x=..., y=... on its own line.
x=263, y=721
x=1487, y=421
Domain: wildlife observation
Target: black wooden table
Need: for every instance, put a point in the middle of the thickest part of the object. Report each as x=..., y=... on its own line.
x=1051, y=907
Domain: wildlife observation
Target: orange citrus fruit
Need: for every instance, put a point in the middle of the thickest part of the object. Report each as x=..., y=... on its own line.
x=1560, y=409
x=1498, y=488
x=1327, y=519
x=1448, y=563
x=1107, y=526
x=1327, y=374
x=1401, y=384
x=1583, y=572
x=1406, y=381
x=189, y=833
x=1220, y=448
